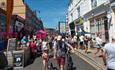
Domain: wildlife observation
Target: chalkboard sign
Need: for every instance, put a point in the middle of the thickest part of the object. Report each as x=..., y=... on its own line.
x=11, y=44
x=18, y=59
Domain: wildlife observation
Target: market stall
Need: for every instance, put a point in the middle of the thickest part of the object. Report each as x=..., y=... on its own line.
x=41, y=34
x=17, y=56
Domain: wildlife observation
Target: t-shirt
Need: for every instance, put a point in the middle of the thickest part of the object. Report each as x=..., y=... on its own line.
x=44, y=45
x=23, y=41
x=54, y=44
x=110, y=50
x=81, y=38
x=33, y=46
x=75, y=39
x=98, y=40
x=61, y=46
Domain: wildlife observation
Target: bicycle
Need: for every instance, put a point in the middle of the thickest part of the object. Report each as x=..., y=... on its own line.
x=50, y=65
x=69, y=61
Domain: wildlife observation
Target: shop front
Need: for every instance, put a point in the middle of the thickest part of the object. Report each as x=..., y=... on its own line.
x=99, y=25
x=99, y=21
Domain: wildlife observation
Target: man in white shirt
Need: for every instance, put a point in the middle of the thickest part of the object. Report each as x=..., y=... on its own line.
x=98, y=45
x=109, y=54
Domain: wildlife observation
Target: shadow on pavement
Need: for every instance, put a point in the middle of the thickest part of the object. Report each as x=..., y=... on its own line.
x=55, y=68
x=31, y=60
x=70, y=64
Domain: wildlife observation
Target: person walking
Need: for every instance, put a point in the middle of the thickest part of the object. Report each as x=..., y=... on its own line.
x=45, y=54
x=86, y=44
x=33, y=49
x=75, y=42
x=109, y=54
x=54, y=46
x=61, y=51
x=23, y=42
x=98, y=45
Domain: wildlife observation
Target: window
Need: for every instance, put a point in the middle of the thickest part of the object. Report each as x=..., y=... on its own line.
x=78, y=10
x=2, y=5
x=72, y=16
x=93, y=3
x=71, y=2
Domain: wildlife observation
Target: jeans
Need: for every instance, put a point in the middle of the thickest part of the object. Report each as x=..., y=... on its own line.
x=110, y=69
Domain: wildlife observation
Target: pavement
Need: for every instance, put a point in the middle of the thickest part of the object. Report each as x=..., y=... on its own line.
x=96, y=62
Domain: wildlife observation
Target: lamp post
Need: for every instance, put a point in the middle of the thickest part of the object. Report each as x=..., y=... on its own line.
x=9, y=10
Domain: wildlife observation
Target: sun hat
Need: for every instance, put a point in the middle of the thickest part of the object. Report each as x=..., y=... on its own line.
x=59, y=37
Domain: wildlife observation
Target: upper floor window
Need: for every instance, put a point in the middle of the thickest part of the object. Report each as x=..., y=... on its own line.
x=71, y=2
x=72, y=16
x=112, y=1
x=78, y=10
x=2, y=5
x=93, y=3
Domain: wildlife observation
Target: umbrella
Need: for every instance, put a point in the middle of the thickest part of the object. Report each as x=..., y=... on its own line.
x=41, y=34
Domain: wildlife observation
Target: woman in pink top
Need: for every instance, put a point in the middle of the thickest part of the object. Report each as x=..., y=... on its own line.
x=33, y=48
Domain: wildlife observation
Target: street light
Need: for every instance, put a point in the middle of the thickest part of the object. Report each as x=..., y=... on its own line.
x=9, y=11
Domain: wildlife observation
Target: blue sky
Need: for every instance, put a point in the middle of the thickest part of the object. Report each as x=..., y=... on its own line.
x=51, y=11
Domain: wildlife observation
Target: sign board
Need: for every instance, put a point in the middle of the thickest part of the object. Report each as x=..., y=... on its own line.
x=18, y=59
x=62, y=27
x=11, y=44
x=19, y=26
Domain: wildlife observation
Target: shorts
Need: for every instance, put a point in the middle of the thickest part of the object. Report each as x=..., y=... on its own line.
x=75, y=43
x=86, y=43
x=98, y=46
x=81, y=43
x=45, y=59
x=61, y=60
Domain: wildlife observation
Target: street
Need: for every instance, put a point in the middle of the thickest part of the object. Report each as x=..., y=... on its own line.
x=51, y=27
x=79, y=64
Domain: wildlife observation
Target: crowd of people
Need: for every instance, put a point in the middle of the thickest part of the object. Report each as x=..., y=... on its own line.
x=59, y=45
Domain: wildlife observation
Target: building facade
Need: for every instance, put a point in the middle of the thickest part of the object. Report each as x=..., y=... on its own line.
x=75, y=14
x=32, y=22
x=18, y=8
x=94, y=16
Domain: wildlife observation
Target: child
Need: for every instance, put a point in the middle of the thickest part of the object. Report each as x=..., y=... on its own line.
x=45, y=54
